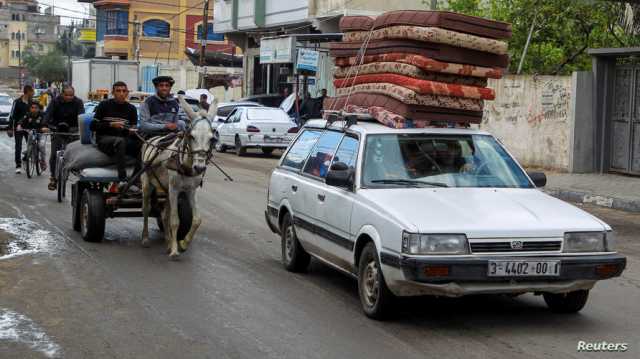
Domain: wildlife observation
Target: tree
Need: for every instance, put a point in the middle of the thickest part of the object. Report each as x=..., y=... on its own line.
x=563, y=30
x=49, y=67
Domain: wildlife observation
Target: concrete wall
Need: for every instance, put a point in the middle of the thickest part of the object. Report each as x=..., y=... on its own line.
x=532, y=116
x=583, y=124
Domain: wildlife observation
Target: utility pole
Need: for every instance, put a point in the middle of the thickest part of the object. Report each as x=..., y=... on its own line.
x=69, y=54
x=20, y=58
x=136, y=38
x=203, y=43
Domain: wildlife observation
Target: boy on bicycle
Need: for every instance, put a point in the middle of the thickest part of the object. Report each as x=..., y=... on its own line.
x=33, y=120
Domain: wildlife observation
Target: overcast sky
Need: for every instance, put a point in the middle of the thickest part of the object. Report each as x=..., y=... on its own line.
x=78, y=9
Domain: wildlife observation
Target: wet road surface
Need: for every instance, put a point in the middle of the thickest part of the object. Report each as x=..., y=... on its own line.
x=229, y=297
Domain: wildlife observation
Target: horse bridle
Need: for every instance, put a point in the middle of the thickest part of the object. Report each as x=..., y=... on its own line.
x=186, y=146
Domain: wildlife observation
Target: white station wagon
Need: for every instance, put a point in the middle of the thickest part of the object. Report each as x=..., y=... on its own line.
x=431, y=211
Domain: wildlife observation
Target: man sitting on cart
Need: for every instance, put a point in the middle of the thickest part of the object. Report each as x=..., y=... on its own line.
x=159, y=114
x=33, y=120
x=114, y=124
x=62, y=120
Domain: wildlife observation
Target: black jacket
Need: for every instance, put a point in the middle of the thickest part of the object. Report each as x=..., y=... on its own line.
x=30, y=122
x=64, y=112
x=19, y=110
x=108, y=111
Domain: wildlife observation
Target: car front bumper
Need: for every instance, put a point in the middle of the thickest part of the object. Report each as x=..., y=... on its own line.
x=408, y=276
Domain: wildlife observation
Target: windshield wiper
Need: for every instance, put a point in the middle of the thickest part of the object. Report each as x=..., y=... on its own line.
x=409, y=182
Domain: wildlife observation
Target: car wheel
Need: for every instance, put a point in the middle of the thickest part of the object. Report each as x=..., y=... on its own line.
x=375, y=296
x=267, y=151
x=240, y=151
x=571, y=302
x=92, y=215
x=294, y=257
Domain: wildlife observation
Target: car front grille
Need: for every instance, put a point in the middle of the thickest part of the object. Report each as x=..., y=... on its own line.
x=516, y=246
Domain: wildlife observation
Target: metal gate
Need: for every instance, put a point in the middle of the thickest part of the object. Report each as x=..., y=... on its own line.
x=625, y=120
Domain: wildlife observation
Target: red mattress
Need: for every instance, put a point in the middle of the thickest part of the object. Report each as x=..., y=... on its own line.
x=425, y=87
x=443, y=19
x=441, y=52
x=414, y=112
x=425, y=63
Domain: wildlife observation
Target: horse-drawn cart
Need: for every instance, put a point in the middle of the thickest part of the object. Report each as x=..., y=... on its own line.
x=95, y=197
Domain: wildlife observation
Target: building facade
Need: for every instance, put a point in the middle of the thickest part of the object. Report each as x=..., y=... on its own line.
x=247, y=22
x=24, y=27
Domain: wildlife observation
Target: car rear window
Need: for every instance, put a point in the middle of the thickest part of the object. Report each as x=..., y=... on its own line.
x=300, y=150
x=266, y=114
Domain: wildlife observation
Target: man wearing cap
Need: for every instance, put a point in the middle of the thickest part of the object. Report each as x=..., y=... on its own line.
x=159, y=114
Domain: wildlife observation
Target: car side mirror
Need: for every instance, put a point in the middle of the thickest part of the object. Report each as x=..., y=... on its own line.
x=539, y=178
x=340, y=175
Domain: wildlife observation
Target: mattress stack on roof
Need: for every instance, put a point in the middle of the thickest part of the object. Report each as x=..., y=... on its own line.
x=412, y=68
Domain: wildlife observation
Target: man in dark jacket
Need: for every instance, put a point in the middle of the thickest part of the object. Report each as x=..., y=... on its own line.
x=62, y=117
x=18, y=112
x=115, y=123
x=159, y=114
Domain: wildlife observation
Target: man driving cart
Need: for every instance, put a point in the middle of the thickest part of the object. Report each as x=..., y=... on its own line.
x=159, y=114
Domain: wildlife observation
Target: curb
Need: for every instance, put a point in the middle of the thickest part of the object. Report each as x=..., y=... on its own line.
x=628, y=205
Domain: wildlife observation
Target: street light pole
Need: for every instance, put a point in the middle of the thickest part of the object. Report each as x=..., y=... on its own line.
x=203, y=42
x=20, y=58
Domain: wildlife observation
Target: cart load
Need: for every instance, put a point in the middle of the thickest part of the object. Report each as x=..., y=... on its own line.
x=415, y=68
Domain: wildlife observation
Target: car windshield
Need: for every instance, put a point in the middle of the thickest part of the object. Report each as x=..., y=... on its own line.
x=267, y=114
x=436, y=160
x=5, y=100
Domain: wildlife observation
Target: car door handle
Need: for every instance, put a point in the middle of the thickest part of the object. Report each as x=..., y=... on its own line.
x=294, y=188
x=321, y=197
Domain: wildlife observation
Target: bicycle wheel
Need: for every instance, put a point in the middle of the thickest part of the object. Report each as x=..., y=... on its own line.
x=28, y=163
x=35, y=158
x=60, y=178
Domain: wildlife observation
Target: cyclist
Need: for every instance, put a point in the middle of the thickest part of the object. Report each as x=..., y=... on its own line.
x=159, y=114
x=62, y=117
x=34, y=121
x=19, y=110
x=114, y=124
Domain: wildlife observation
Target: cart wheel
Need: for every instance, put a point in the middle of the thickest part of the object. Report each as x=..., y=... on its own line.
x=92, y=215
x=186, y=216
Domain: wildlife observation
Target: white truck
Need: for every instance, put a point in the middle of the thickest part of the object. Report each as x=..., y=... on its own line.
x=100, y=74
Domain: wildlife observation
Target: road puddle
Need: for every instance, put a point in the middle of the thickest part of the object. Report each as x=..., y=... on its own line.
x=22, y=236
x=18, y=328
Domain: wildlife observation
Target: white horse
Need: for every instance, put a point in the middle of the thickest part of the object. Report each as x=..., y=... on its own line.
x=175, y=169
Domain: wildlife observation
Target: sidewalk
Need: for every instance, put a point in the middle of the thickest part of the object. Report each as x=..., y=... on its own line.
x=607, y=190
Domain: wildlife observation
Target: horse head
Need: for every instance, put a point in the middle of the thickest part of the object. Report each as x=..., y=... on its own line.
x=199, y=135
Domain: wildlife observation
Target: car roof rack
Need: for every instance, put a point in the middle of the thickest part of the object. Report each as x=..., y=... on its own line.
x=349, y=118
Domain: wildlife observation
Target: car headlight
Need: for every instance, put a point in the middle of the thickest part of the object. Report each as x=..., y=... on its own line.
x=414, y=243
x=584, y=242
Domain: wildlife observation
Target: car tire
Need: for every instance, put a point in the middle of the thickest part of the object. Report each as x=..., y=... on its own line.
x=267, y=151
x=375, y=296
x=571, y=302
x=294, y=257
x=219, y=146
x=92, y=215
x=240, y=151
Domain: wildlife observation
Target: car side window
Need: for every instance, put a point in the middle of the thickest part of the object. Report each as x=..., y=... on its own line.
x=238, y=116
x=320, y=159
x=347, y=152
x=300, y=150
x=229, y=118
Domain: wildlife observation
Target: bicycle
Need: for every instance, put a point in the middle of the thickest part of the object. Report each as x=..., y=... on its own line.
x=59, y=175
x=32, y=154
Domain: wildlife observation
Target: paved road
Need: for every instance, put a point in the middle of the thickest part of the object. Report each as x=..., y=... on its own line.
x=229, y=297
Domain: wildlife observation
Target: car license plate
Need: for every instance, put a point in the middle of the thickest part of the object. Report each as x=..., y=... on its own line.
x=520, y=268
x=273, y=139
